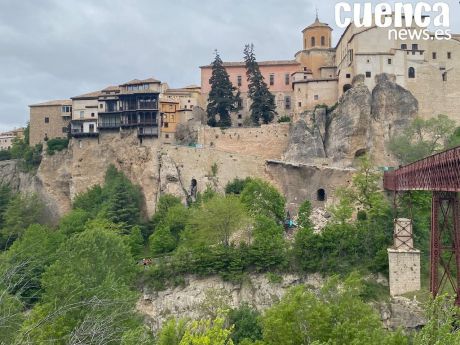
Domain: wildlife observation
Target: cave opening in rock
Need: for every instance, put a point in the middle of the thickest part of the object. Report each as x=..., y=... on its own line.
x=346, y=87
x=321, y=195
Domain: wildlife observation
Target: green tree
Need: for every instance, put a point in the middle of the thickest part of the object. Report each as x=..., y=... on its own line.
x=236, y=186
x=91, y=201
x=216, y=220
x=336, y=315
x=5, y=197
x=263, y=107
x=123, y=204
x=74, y=222
x=246, y=324
x=22, y=211
x=172, y=332
x=423, y=138
x=261, y=198
x=222, y=98
x=442, y=326
x=303, y=220
x=268, y=249
x=162, y=241
x=206, y=332
x=86, y=292
x=11, y=316
x=27, y=259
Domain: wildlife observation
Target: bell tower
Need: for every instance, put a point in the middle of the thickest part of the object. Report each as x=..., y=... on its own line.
x=317, y=35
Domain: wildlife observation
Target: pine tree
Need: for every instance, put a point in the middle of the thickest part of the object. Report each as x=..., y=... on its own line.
x=222, y=98
x=263, y=101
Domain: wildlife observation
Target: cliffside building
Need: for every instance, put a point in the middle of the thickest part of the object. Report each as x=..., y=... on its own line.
x=320, y=73
x=49, y=120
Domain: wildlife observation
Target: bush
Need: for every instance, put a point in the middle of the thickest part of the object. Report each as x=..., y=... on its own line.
x=5, y=155
x=246, y=323
x=236, y=186
x=284, y=119
x=56, y=145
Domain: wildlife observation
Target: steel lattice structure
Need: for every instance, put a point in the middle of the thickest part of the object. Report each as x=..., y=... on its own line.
x=440, y=174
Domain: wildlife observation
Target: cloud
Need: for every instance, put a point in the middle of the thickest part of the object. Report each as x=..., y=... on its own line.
x=54, y=49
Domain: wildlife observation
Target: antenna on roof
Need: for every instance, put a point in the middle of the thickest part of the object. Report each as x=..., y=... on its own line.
x=317, y=13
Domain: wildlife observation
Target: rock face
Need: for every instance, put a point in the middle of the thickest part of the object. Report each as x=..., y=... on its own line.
x=305, y=143
x=361, y=123
x=184, y=302
x=348, y=132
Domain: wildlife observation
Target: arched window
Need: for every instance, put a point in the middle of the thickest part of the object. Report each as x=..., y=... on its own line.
x=411, y=72
x=313, y=42
x=321, y=195
x=323, y=41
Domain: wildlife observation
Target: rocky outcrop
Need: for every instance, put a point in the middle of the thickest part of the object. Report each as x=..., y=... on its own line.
x=348, y=133
x=305, y=143
x=401, y=312
x=362, y=122
x=392, y=110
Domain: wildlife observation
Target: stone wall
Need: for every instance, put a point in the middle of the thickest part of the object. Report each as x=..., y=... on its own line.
x=267, y=141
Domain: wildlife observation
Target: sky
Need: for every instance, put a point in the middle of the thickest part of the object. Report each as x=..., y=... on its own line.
x=56, y=49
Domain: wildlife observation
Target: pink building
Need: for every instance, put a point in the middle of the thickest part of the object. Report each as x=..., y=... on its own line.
x=277, y=74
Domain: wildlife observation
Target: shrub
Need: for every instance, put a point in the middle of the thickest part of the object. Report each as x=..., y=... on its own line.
x=5, y=155
x=284, y=119
x=56, y=145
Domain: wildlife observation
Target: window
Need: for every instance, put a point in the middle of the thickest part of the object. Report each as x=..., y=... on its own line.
x=348, y=75
x=313, y=42
x=272, y=79
x=47, y=120
x=240, y=104
x=368, y=74
x=240, y=116
x=316, y=97
x=323, y=41
x=305, y=77
x=167, y=136
x=404, y=46
x=91, y=127
x=92, y=114
x=166, y=125
x=389, y=61
x=240, y=125
x=415, y=46
x=238, y=80
x=300, y=104
x=65, y=129
x=449, y=55
x=188, y=101
x=100, y=105
x=286, y=79
x=66, y=108
x=82, y=114
x=444, y=76
x=434, y=55
x=411, y=72
x=287, y=102
x=305, y=69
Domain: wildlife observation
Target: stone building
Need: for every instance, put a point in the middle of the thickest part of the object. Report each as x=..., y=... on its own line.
x=6, y=140
x=49, y=120
x=169, y=111
x=85, y=110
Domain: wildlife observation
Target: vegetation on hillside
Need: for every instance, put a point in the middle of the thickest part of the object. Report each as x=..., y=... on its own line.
x=77, y=283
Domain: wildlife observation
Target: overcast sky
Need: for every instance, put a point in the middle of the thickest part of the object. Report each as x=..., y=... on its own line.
x=56, y=49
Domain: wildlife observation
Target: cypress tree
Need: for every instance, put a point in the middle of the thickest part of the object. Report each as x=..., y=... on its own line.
x=263, y=106
x=222, y=99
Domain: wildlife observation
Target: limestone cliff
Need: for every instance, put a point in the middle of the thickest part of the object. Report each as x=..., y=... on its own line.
x=259, y=292
x=362, y=122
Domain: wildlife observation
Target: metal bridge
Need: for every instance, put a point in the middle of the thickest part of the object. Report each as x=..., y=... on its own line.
x=439, y=174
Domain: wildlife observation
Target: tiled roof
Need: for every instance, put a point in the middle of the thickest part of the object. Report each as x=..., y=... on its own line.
x=137, y=81
x=94, y=94
x=261, y=63
x=317, y=24
x=51, y=103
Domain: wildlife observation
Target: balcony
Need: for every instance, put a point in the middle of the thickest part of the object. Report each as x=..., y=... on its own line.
x=147, y=132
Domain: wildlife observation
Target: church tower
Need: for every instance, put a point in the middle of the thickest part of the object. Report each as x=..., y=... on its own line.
x=317, y=35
